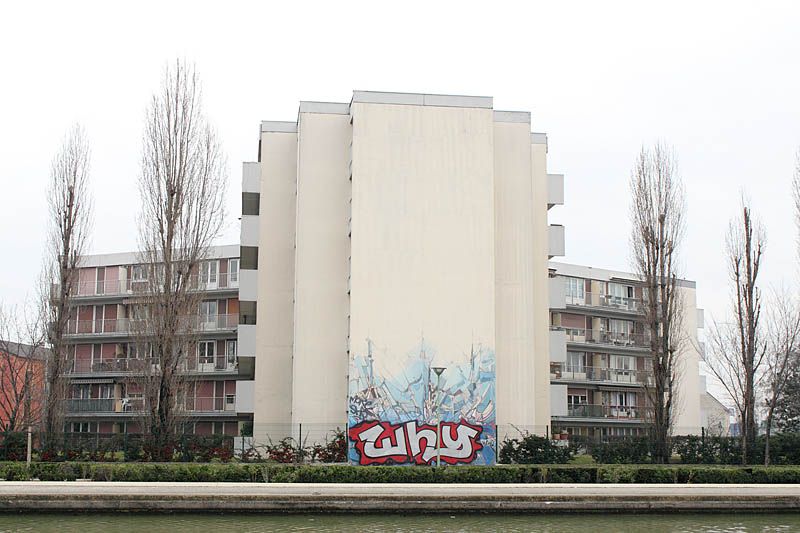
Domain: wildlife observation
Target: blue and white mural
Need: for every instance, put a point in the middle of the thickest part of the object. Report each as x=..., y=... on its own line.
x=400, y=407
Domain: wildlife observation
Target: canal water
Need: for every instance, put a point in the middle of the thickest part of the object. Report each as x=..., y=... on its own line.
x=243, y=523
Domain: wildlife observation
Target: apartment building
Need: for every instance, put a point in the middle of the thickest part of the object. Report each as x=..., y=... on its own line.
x=600, y=362
x=394, y=275
x=22, y=368
x=104, y=396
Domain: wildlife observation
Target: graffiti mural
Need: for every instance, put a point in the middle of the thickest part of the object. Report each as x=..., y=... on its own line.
x=395, y=405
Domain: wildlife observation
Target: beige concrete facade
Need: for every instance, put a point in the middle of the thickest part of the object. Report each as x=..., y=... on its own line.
x=276, y=261
x=417, y=222
x=422, y=256
x=319, y=365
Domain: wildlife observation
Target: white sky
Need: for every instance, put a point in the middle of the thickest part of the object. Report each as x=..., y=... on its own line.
x=717, y=80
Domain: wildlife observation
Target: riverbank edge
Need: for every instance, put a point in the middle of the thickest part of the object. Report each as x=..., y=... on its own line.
x=339, y=473
x=80, y=496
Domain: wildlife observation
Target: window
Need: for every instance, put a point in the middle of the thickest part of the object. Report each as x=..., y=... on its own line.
x=106, y=391
x=619, y=295
x=576, y=399
x=206, y=351
x=623, y=362
x=247, y=312
x=230, y=402
x=250, y=203
x=575, y=288
x=576, y=362
x=233, y=270
x=139, y=273
x=230, y=349
x=81, y=427
x=208, y=310
x=208, y=273
x=623, y=327
x=249, y=257
x=81, y=392
x=627, y=399
x=139, y=351
x=139, y=312
x=101, y=276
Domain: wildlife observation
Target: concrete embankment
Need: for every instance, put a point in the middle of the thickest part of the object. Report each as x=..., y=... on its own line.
x=445, y=498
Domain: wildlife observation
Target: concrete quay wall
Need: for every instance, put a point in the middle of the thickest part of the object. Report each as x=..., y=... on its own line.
x=392, y=498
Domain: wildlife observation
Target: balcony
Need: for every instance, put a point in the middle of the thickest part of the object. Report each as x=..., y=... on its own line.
x=98, y=289
x=616, y=376
x=615, y=412
x=606, y=338
x=132, y=406
x=103, y=405
x=555, y=241
x=132, y=366
x=121, y=327
x=605, y=301
x=555, y=190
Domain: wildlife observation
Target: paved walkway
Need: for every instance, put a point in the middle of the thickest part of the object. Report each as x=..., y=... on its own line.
x=301, y=497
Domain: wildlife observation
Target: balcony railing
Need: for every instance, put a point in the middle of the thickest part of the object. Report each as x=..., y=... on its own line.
x=192, y=404
x=606, y=337
x=593, y=299
x=116, y=326
x=620, y=412
x=559, y=371
x=120, y=365
x=114, y=287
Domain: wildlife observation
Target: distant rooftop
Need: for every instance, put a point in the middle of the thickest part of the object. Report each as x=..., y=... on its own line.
x=129, y=258
x=24, y=350
x=580, y=271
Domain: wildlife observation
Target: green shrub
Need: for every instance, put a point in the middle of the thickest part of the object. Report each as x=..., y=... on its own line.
x=55, y=471
x=775, y=474
x=13, y=446
x=654, y=474
x=629, y=450
x=14, y=472
x=616, y=474
x=712, y=474
x=284, y=473
x=532, y=449
x=569, y=474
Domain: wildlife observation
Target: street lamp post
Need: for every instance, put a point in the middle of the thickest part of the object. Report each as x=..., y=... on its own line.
x=438, y=370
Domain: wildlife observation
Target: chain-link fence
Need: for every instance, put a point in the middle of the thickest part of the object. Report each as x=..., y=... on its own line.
x=327, y=443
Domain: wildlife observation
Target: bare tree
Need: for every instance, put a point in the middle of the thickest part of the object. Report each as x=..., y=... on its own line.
x=738, y=349
x=783, y=338
x=70, y=216
x=657, y=230
x=182, y=187
x=22, y=359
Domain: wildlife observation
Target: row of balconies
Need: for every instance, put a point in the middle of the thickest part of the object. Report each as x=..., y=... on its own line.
x=123, y=326
x=559, y=299
x=122, y=287
x=603, y=337
x=124, y=365
x=608, y=301
x=133, y=406
x=564, y=372
x=619, y=412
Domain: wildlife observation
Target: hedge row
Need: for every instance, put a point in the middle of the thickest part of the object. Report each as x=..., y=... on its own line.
x=275, y=473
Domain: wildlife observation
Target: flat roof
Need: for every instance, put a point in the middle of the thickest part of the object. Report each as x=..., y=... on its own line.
x=424, y=99
x=601, y=274
x=130, y=258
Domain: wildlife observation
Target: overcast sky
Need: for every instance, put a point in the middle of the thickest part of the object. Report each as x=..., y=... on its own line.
x=718, y=81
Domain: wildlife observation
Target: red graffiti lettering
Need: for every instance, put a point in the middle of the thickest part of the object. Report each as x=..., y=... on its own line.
x=379, y=443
